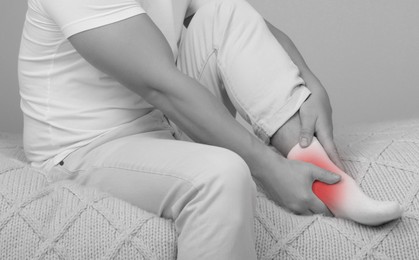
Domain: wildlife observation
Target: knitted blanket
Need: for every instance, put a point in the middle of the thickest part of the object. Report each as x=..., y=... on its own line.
x=39, y=220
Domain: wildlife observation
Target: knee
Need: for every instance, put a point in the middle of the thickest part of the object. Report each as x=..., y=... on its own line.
x=228, y=11
x=224, y=189
x=227, y=176
x=239, y=10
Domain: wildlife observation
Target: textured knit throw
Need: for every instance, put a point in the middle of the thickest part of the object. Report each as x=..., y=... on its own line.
x=63, y=220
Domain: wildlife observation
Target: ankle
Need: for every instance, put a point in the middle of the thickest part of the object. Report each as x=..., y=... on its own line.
x=287, y=135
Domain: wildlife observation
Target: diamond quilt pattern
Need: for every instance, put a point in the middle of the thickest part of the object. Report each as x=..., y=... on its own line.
x=40, y=220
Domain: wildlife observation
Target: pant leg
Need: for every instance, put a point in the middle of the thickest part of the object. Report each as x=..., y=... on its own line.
x=230, y=50
x=207, y=191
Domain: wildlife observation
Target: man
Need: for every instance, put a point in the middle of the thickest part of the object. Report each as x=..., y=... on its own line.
x=99, y=80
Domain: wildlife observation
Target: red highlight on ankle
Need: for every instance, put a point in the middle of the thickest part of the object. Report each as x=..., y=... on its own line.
x=344, y=198
x=329, y=194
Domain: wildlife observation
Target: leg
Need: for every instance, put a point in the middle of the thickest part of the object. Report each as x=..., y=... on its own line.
x=230, y=50
x=206, y=190
x=344, y=199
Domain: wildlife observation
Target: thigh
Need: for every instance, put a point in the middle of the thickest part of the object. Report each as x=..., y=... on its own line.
x=197, y=56
x=152, y=171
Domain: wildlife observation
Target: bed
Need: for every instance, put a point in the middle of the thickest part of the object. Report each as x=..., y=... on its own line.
x=41, y=220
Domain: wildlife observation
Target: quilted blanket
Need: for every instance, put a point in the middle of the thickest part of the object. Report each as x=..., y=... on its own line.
x=40, y=220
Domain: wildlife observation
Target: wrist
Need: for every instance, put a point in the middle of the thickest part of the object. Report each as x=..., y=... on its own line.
x=312, y=82
x=259, y=159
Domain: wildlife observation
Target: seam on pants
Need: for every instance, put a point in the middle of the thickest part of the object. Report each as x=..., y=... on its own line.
x=243, y=107
x=143, y=171
x=201, y=71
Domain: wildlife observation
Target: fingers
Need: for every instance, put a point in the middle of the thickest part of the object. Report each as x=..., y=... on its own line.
x=318, y=207
x=325, y=176
x=312, y=206
x=326, y=140
x=308, y=124
x=307, y=213
x=301, y=210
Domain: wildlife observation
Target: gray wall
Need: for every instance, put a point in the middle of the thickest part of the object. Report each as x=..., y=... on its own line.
x=12, y=13
x=366, y=53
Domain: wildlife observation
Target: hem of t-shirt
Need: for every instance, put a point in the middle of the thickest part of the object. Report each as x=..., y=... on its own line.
x=96, y=21
x=130, y=128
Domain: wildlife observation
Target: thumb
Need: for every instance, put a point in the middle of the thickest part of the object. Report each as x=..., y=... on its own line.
x=326, y=176
x=308, y=124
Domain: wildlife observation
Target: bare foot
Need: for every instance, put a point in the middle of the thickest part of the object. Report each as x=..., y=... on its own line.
x=345, y=199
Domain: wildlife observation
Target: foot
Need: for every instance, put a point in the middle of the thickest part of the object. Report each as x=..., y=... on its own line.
x=345, y=199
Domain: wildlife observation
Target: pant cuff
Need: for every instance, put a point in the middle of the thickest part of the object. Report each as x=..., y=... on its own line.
x=268, y=127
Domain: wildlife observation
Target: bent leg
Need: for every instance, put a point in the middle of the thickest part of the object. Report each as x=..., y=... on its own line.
x=206, y=190
x=230, y=50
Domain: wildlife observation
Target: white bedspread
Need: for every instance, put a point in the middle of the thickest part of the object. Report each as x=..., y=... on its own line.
x=66, y=221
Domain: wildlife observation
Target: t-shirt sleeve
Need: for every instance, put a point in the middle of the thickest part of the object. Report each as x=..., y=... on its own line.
x=74, y=16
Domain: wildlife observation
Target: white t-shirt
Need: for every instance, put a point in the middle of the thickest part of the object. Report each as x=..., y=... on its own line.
x=66, y=102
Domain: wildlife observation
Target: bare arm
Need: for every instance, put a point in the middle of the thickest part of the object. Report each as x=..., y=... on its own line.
x=135, y=53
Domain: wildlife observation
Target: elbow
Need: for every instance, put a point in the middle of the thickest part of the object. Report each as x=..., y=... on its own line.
x=159, y=87
x=160, y=90
x=153, y=95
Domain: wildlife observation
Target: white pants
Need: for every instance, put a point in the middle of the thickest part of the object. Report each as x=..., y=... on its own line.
x=208, y=191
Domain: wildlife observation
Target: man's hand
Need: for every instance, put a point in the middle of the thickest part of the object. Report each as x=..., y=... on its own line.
x=316, y=119
x=290, y=185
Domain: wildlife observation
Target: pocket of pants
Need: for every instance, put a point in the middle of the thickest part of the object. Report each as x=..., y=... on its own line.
x=59, y=172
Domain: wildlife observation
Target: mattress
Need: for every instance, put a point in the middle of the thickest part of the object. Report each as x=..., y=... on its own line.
x=63, y=220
